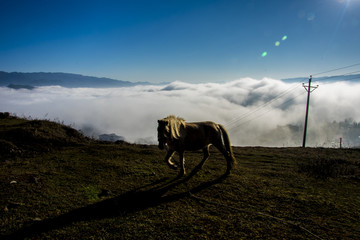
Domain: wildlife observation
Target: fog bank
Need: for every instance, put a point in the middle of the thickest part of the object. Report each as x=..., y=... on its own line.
x=264, y=112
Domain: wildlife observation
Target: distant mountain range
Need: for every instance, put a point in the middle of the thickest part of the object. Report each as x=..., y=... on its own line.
x=30, y=80
x=350, y=78
x=17, y=80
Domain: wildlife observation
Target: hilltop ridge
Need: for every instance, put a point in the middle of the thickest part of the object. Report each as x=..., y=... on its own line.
x=19, y=136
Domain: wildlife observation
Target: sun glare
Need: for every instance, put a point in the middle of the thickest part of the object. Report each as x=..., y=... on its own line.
x=348, y=2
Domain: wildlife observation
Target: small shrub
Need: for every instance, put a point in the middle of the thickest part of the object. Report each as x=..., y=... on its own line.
x=4, y=115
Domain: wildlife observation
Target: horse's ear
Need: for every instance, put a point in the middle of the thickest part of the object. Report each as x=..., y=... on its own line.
x=162, y=121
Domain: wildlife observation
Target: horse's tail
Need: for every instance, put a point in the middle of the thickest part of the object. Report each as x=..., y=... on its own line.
x=227, y=143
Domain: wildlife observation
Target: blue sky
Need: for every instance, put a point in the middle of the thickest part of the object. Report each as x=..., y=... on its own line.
x=190, y=41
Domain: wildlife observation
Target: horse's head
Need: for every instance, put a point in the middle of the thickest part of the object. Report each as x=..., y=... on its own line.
x=170, y=129
x=163, y=133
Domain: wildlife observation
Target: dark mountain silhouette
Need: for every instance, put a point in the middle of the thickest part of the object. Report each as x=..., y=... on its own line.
x=60, y=79
x=17, y=86
x=18, y=80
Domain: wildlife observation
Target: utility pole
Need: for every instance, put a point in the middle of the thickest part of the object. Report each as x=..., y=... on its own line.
x=309, y=89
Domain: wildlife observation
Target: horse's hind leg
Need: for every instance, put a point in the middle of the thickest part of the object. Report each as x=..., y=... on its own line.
x=226, y=154
x=206, y=156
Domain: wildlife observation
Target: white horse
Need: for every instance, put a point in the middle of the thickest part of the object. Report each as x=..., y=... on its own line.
x=179, y=136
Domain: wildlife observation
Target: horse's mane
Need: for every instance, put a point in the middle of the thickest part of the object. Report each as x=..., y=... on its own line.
x=175, y=126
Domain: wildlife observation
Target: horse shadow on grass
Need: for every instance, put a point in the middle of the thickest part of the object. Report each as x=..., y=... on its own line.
x=129, y=202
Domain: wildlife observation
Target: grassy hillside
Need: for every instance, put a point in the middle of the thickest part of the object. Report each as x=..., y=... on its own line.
x=57, y=184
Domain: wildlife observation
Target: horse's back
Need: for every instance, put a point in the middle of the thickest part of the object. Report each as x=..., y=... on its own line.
x=201, y=127
x=200, y=134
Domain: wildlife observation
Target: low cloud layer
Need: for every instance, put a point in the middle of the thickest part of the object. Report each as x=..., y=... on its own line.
x=263, y=112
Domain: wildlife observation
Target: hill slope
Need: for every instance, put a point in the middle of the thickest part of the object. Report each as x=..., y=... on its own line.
x=20, y=137
x=92, y=190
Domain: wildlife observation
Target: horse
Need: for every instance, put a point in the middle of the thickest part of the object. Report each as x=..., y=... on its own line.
x=179, y=136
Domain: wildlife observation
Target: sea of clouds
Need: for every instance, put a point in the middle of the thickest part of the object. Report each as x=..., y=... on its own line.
x=264, y=112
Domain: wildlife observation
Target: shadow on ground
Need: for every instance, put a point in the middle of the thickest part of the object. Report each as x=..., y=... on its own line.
x=121, y=205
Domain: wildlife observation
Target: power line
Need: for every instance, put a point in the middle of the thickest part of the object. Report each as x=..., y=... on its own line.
x=345, y=74
x=263, y=113
x=336, y=69
x=234, y=122
x=240, y=123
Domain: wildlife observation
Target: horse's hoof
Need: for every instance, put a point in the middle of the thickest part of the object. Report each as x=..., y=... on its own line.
x=174, y=167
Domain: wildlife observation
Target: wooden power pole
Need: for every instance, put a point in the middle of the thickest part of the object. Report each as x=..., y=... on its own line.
x=309, y=89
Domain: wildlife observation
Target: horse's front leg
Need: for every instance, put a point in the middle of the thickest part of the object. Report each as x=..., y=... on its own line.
x=182, y=164
x=168, y=157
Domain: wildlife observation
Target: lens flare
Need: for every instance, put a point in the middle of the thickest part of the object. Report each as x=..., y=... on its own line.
x=310, y=16
x=277, y=44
